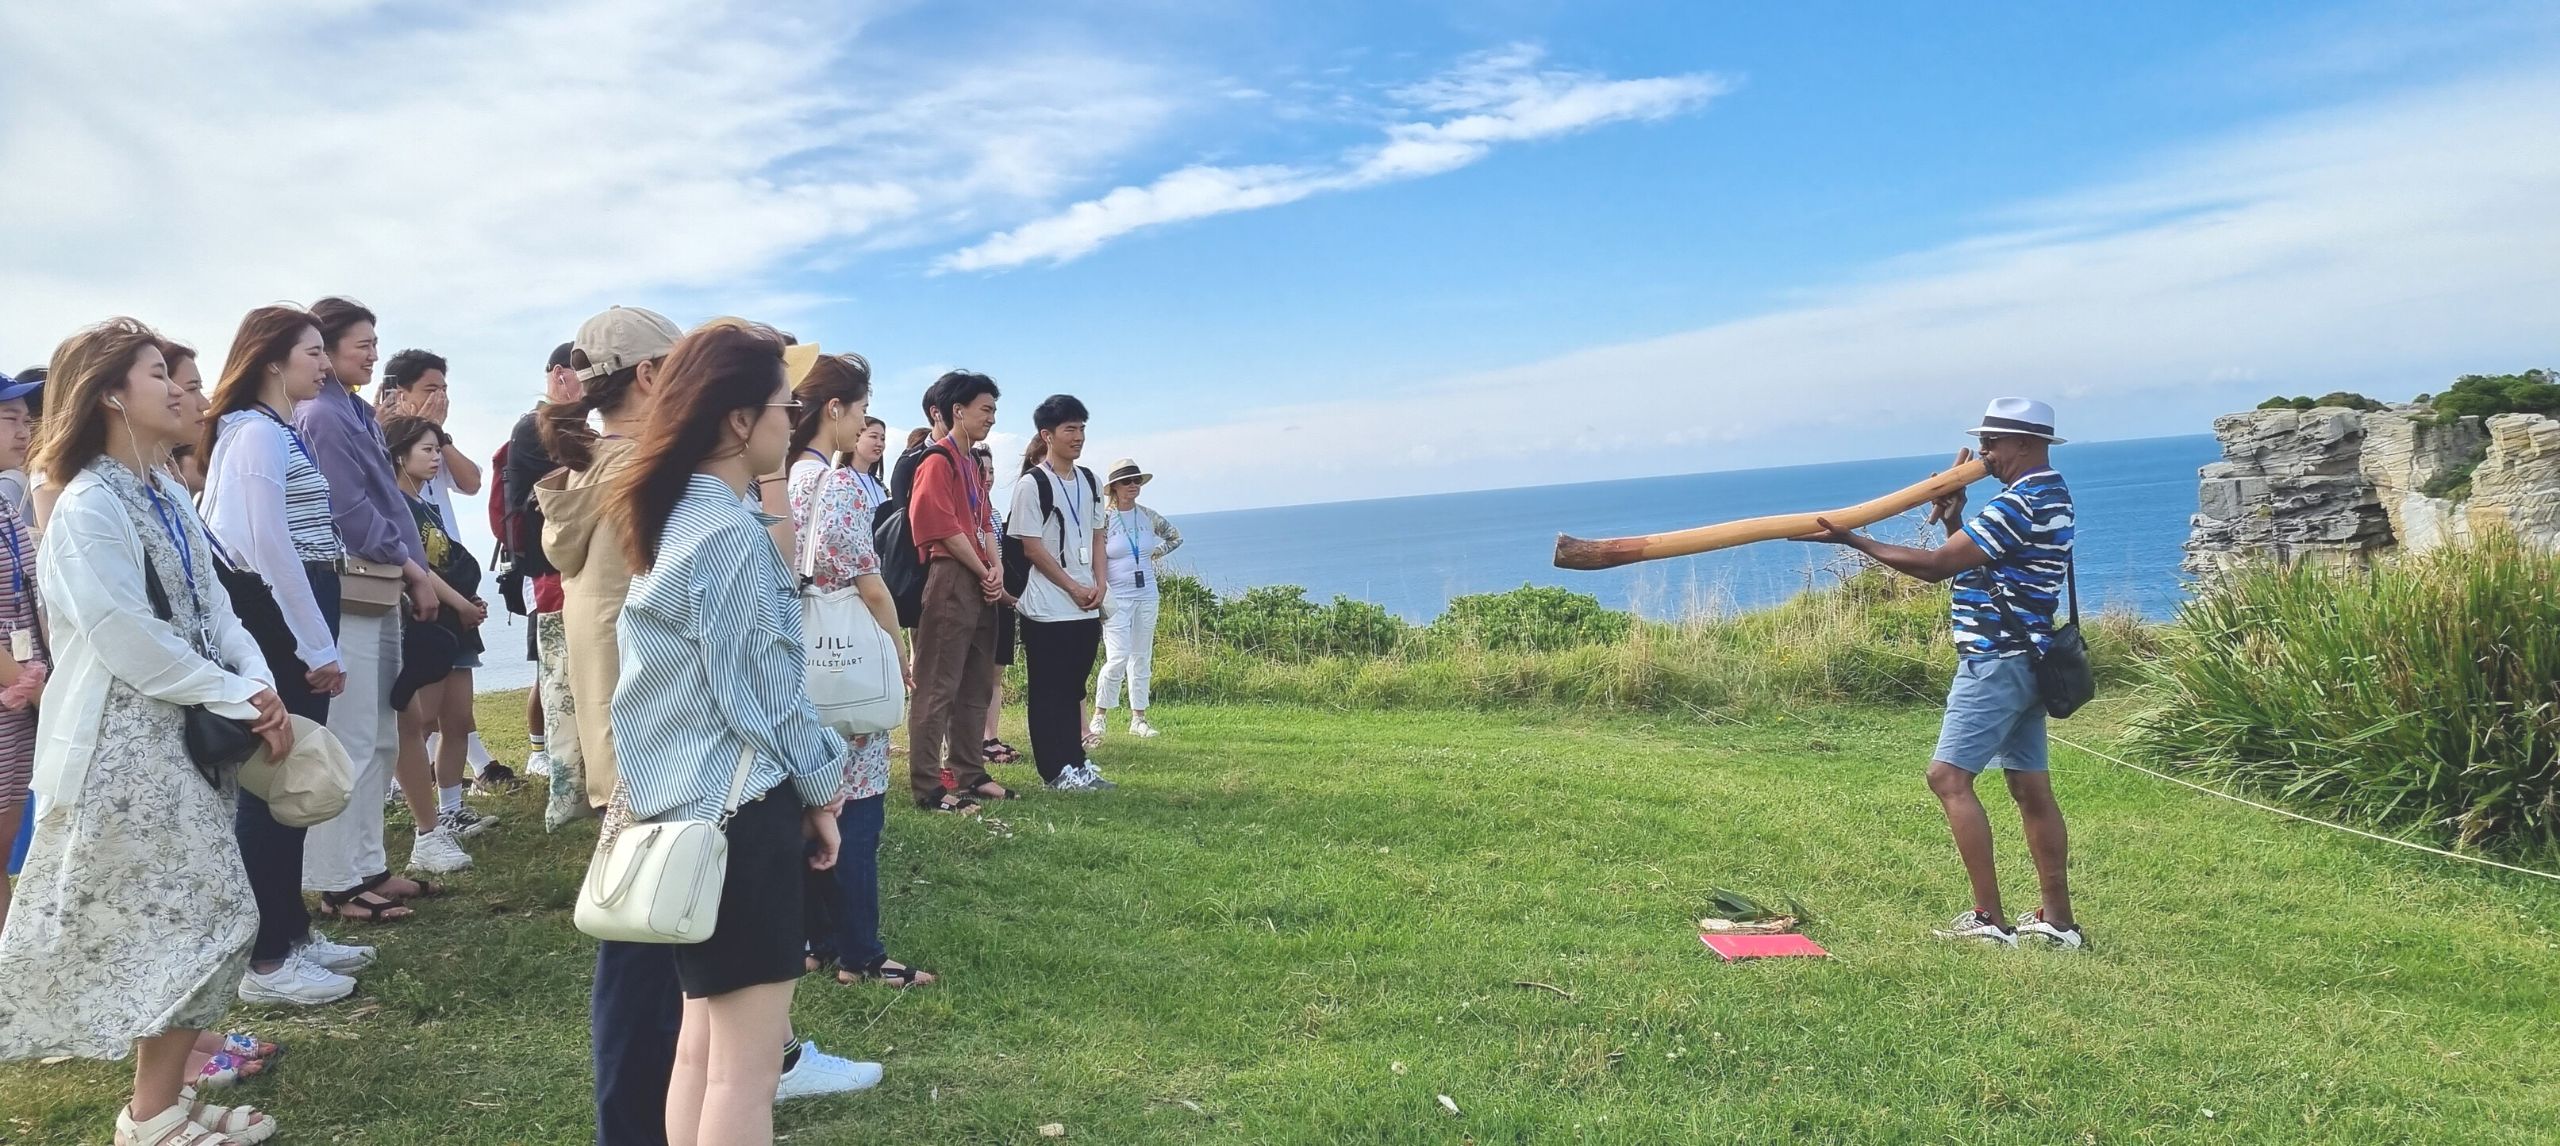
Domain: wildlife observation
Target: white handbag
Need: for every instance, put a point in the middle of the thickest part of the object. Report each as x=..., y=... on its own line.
x=660, y=882
x=853, y=677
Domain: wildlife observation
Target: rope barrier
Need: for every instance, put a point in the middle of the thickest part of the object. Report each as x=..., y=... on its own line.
x=2307, y=819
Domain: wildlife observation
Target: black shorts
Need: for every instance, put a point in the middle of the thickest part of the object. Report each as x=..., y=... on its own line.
x=760, y=938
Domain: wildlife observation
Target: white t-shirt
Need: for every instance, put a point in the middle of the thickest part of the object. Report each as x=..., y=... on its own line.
x=1068, y=533
x=1131, y=539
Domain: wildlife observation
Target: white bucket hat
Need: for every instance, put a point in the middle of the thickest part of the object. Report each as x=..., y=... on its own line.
x=311, y=785
x=2018, y=416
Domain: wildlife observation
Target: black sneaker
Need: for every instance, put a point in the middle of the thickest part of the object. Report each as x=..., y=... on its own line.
x=465, y=823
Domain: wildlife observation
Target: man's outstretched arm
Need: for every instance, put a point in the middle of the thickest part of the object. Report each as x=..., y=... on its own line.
x=1931, y=565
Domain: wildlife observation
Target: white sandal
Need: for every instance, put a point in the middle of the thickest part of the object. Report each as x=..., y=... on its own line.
x=236, y=1124
x=170, y=1127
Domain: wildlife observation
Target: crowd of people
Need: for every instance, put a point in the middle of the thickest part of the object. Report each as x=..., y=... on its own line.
x=280, y=556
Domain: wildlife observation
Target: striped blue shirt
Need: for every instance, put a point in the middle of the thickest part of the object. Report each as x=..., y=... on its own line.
x=2027, y=530
x=712, y=663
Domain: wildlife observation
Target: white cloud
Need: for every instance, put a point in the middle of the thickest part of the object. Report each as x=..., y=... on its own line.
x=485, y=175
x=2383, y=246
x=1492, y=99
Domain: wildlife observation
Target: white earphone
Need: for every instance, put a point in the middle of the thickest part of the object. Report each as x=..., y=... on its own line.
x=114, y=401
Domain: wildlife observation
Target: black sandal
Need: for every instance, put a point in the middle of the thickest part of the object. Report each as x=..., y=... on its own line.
x=998, y=752
x=950, y=804
x=980, y=792
x=900, y=977
x=363, y=906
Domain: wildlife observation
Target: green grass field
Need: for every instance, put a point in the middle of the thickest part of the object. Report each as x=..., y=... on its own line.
x=1301, y=926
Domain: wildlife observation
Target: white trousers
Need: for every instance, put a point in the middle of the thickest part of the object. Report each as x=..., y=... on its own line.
x=1128, y=648
x=348, y=850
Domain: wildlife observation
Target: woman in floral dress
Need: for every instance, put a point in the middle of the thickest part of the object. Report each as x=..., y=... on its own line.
x=831, y=496
x=134, y=916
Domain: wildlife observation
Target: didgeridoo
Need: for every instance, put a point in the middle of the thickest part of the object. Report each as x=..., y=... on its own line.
x=1609, y=553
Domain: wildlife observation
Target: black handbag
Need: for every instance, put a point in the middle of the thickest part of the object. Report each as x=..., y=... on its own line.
x=218, y=744
x=2063, y=676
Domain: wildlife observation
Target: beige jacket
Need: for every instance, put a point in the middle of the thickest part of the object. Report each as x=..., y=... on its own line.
x=594, y=577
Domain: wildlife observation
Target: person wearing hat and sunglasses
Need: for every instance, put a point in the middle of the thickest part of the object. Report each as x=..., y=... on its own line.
x=1138, y=539
x=2009, y=563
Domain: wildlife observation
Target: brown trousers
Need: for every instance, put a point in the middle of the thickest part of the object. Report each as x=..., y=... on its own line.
x=955, y=664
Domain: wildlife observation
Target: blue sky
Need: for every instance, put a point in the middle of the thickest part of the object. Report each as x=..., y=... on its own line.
x=1411, y=247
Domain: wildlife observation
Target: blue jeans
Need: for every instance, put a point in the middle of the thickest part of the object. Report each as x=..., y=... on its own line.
x=856, y=941
x=635, y=1013
x=271, y=853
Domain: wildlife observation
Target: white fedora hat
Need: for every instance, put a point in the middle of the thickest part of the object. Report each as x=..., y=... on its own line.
x=2018, y=416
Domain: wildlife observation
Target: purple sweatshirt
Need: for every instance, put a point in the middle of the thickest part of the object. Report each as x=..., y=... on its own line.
x=346, y=443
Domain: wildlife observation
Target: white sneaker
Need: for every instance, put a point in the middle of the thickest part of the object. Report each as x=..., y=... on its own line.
x=538, y=764
x=1093, y=777
x=1139, y=728
x=2032, y=925
x=1071, y=780
x=345, y=959
x=438, y=853
x=1093, y=730
x=819, y=1073
x=299, y=983
x=1973, y=927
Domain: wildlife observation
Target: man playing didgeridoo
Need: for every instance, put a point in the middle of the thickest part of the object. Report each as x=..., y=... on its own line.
x=2014, y=554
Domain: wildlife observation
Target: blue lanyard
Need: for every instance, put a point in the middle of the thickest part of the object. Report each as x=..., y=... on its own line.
x=968, y=478
x=291, y=434
x=1131, y=532
x=17, y=558
x=177, y=532
x=1075, y=494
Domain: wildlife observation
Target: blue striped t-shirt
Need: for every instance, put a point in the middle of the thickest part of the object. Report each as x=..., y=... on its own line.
x=2027, y=530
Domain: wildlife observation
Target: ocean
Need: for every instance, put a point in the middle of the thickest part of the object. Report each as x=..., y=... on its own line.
x=1410, y=555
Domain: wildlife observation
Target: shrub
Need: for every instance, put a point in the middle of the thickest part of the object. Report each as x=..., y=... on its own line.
x=2484, y=395
x=1531, y=617
x=2338, y=398
x=2423, y=691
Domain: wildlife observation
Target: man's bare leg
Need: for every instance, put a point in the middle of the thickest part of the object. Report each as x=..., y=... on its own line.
x=1972, y=829
x=2048, y=841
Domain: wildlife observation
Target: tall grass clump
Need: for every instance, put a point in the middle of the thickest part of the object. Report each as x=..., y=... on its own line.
x=1872, y=638
x=2422, y=691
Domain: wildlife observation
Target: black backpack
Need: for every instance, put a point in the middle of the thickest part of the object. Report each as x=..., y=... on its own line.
x=900, y=568
x=1017, y=563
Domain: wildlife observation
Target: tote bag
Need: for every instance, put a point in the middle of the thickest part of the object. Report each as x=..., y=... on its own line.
x=853, y=677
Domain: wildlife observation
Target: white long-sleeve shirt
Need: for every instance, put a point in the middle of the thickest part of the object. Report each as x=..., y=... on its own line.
x=103, y=629
x=248, y=506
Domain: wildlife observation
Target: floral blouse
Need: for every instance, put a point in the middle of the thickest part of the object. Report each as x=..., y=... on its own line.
x=838, y=504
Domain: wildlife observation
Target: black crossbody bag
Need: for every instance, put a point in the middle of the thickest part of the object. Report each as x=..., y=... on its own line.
x=2063, y=677
x=218, y=744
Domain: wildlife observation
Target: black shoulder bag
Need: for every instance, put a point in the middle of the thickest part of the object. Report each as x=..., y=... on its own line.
x=217, y=743
x=2063, y=677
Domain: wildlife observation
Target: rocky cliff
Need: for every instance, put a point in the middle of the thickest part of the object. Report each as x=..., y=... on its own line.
x=2341, y=485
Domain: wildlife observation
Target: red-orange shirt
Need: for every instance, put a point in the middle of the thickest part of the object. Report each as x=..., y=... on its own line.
x=947, y=504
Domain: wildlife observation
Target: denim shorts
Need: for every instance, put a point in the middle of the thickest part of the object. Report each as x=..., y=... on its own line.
x=1994, y=716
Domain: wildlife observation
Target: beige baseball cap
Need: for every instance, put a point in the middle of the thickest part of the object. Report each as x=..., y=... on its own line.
x=797, y=357
x=623, y=337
